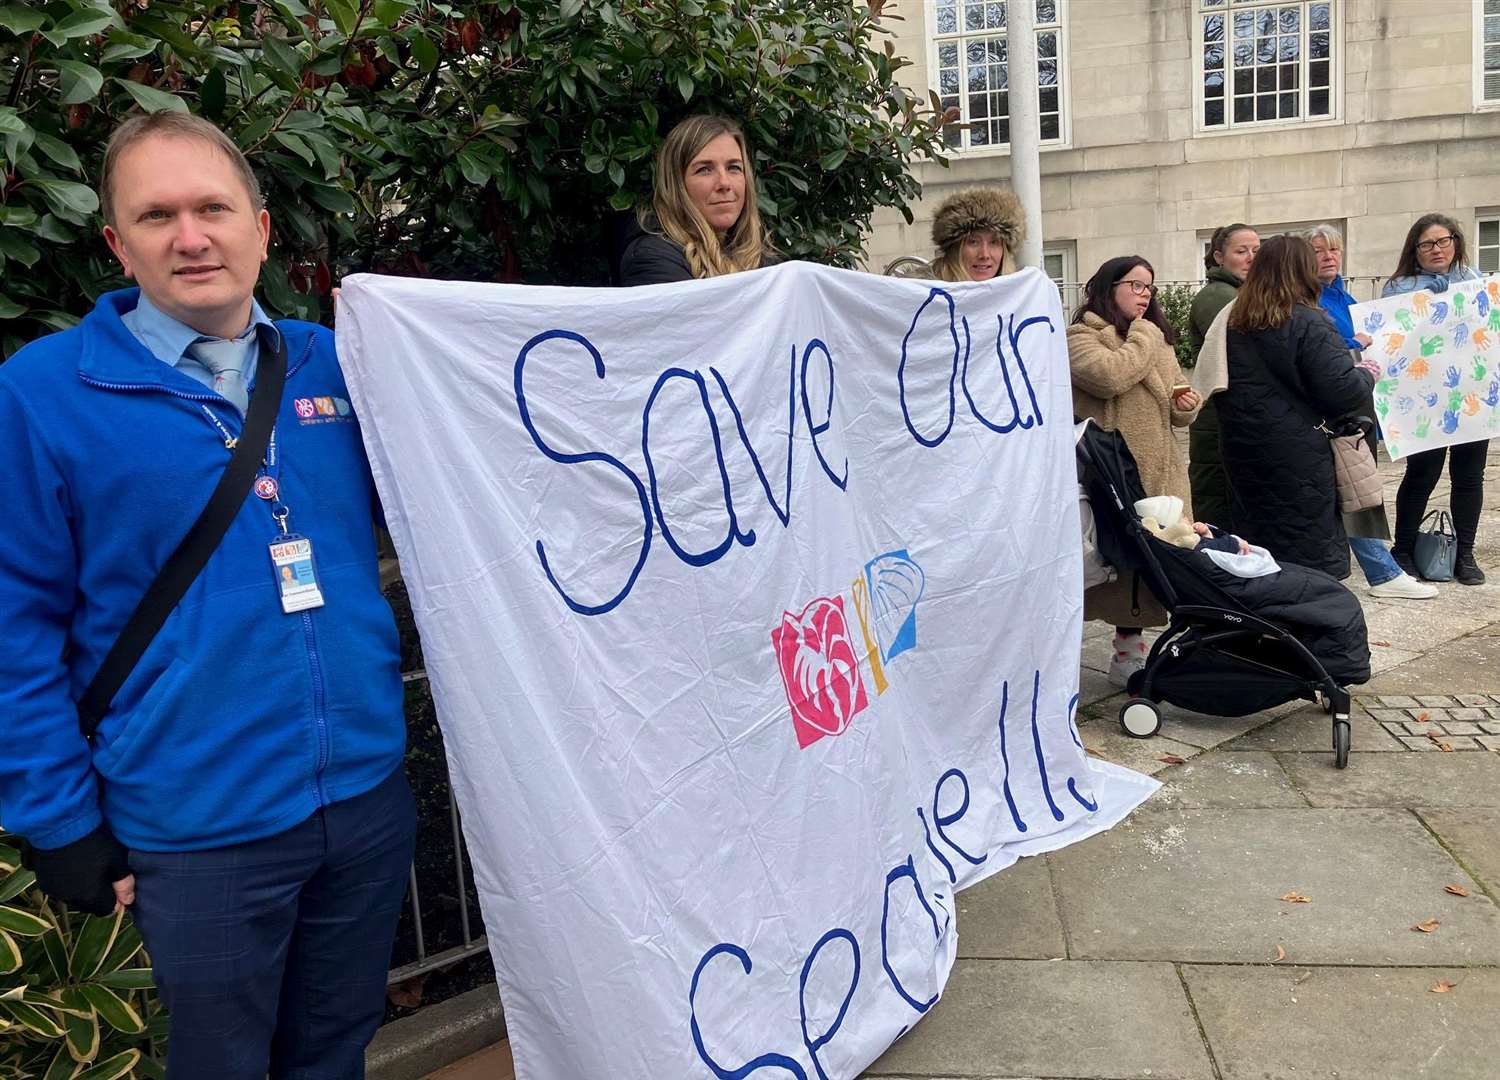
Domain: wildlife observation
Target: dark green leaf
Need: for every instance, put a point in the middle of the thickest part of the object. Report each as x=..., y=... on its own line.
x=66, y=197
x=128, y=979
x=685, y=87
x=17, y=883
x=333, y=199
x=566, y=9
x=115, y=1068
x=151, y=99
x=22, y=923
x=344, y=14
x=19, y=20
x=213, y=93
x=294, y=143
x=93, y=943
x=423, y=51
x=78, y=82
x=281, y=55
x=81, y=24
x=113, y=1009
x=13, y=247
x=833, y=159
x=58, y=151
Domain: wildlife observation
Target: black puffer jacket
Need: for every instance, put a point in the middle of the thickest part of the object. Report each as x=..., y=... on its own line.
x=651, y=259
x=1282, y=383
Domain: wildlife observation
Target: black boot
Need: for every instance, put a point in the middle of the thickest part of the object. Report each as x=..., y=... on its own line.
x=1404, y=559
x=1466, y=571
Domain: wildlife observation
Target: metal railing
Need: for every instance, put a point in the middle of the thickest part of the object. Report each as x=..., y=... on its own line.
x=470, y=943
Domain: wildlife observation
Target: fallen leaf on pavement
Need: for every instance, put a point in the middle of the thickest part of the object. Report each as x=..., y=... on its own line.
x=1297, y=898
x=1382, y=644
x=1442, y=986
x=1280, y=955
x=1172, y=759
x=1092, y=752
x=1456, y=890
x=1446, y=748
x=1427, y=926
x=1422, y=718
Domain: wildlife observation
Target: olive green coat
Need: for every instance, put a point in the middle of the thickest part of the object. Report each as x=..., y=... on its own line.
x=1210, y=483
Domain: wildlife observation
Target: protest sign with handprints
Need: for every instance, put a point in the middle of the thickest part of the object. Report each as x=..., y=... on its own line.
x=1440, y=367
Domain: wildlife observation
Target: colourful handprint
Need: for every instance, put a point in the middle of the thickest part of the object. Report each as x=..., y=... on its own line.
x=1471, y=404
x=1423, y=423
x=1460, y=335
x=1418, y=368
x=1455, y=399
x=1419, y=302
x=1450, y=377
x=1382, y=406
x=1429, y=399
x=1450, y=422
x=1405, y=403
x=1493, y=397
x=1439, y=313
x=1458, y=304
x=1479, y=369
x=1386, y=387
x=1482, y=303
x=1373, y=322
x=1393, y=345
x=1482, y=339
x=1404, y=320
x=1493, y=288
x=1494, y=323
x=1433, y=344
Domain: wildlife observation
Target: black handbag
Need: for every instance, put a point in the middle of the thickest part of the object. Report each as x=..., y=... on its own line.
x=191, y=555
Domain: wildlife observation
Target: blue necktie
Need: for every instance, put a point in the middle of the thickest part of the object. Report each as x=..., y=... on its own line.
x=225, y=359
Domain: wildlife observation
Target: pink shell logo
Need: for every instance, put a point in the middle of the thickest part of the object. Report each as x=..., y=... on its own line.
x=304, y=407
x=820, y=669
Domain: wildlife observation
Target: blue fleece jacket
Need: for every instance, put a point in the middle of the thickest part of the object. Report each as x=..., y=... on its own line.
x=240, y=721
x=1426, y=279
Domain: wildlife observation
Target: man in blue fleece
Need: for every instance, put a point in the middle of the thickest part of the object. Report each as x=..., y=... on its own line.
x=245, y=793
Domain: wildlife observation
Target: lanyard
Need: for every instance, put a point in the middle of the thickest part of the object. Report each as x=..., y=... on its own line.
x=267, y=478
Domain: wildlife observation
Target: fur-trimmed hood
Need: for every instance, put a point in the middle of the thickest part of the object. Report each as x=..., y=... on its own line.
x=992, y=209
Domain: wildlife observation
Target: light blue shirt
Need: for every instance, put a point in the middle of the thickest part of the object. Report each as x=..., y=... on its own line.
x=168, y=340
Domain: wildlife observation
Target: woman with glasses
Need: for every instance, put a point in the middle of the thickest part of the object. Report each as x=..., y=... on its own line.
x=1434, y=257
x=1368, y=529
x=1126, y=378
x=1289, y=371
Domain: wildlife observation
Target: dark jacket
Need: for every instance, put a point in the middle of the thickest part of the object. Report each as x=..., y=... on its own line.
x=1205, y=466
x=1282, y=383
x=651, y=259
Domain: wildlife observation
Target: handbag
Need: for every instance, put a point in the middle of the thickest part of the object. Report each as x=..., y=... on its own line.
x=1355, y=472
x=192, y=554
x=1436, y=553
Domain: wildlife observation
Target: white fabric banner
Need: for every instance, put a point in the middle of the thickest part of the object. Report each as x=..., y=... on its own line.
x=1441, y=383
x=752, y=613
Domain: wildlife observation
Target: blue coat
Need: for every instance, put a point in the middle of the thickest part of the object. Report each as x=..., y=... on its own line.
x=1335, y=300
x=239, y=721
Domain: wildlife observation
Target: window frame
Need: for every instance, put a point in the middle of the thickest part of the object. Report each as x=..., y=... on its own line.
x=1064, y=141
x=1482, y=218
x=1481, y=103
x=1198, y=9
x=1067, y=252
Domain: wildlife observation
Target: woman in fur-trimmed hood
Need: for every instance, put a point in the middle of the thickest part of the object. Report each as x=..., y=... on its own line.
x=978, y=234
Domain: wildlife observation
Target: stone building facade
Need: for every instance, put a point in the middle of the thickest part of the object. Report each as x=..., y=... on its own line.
x=1162, y=119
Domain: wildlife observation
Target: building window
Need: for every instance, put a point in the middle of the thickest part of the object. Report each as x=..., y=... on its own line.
x=1487, y=253
x=1265, y=63
x=972, y=70
x=1487, y=52
x=1060, y=263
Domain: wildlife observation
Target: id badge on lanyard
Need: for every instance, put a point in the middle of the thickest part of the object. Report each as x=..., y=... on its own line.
x=292, y=565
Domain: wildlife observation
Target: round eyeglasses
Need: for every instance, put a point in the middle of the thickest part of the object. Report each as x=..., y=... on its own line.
x=1140, y=288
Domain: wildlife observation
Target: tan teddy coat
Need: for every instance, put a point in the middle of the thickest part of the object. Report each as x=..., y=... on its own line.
x=1126, y=386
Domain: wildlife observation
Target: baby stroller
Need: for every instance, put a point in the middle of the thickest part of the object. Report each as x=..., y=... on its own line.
x=1234, y=645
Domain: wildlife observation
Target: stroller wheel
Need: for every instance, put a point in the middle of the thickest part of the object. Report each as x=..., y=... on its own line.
x=1341, y=743
x=1139, y=718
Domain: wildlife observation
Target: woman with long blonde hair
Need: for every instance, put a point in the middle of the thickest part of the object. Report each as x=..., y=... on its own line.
x=703, y=220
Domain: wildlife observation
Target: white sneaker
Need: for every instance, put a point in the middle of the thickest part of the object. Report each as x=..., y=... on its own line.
x=1404, y=587
x=1122, y=667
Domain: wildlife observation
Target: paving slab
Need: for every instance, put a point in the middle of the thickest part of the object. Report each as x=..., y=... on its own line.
x=1204, y=886
x=1418, y=627
x=1054, y=1019
x=1349, y=1024
x=1103, y=738
x=1464, y=779
x=1207, y=732
x=1473, y=836
x=1011, y=915
x=1094, y=686
x=1222, y=779
x=1464, y=666
x=1310, y=728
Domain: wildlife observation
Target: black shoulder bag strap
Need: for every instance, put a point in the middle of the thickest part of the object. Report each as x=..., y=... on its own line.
x=193, y=553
